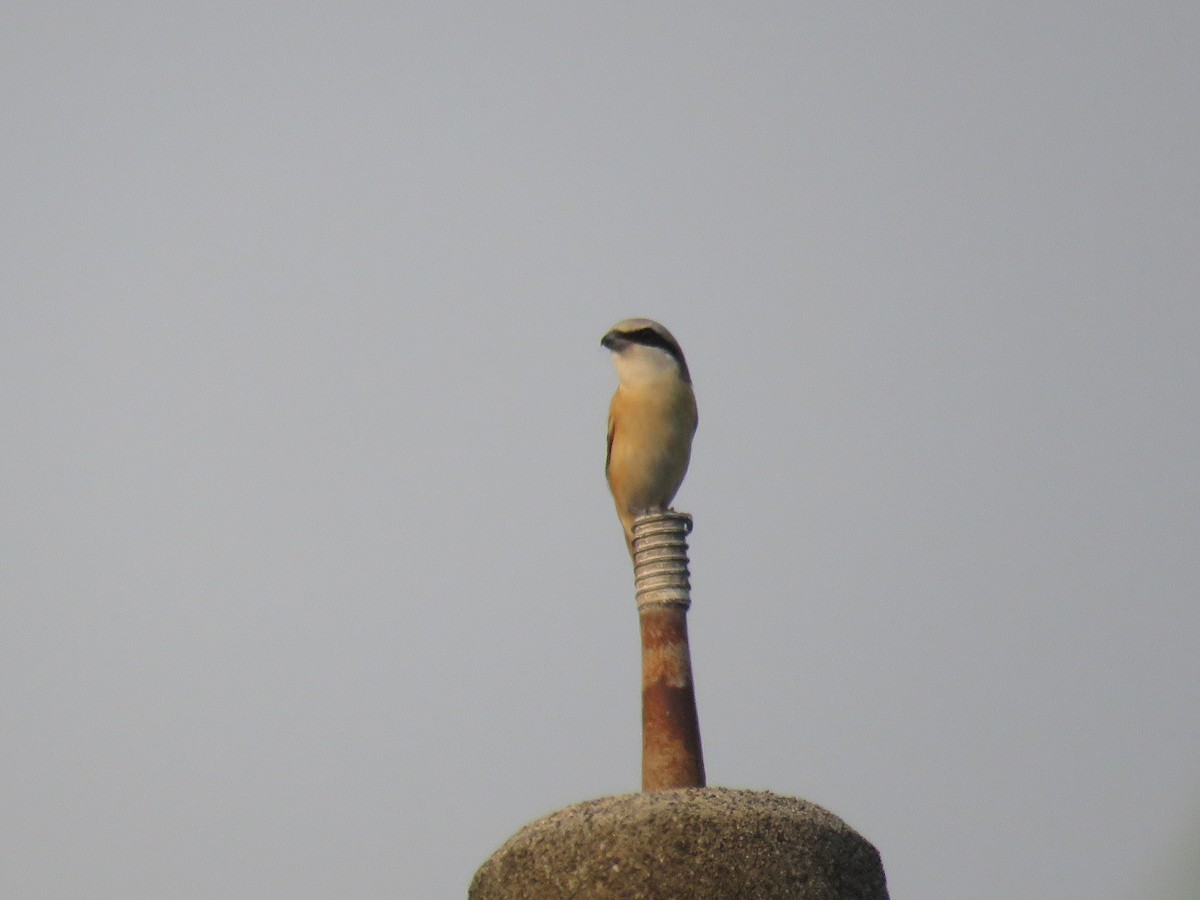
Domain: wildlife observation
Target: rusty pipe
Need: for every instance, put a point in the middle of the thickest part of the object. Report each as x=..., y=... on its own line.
x=671, y=752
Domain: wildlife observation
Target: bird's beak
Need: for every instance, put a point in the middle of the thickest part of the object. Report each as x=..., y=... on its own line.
x=609, y=341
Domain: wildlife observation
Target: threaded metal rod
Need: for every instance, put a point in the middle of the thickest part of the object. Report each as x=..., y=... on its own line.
x=671, y=754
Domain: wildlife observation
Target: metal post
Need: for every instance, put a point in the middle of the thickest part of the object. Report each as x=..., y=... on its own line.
x=671, y=754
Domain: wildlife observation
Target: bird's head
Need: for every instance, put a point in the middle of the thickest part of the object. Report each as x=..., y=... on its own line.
x=643, y=351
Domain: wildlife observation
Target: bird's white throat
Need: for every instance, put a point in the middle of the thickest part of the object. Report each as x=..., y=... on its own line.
x=637, y=365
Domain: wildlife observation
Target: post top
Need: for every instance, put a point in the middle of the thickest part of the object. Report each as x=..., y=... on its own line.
x=660, y=559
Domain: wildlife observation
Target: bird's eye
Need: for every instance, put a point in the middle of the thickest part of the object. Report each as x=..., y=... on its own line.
x=648, y=337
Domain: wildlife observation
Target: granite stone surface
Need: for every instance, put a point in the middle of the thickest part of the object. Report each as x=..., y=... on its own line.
x=687, y=843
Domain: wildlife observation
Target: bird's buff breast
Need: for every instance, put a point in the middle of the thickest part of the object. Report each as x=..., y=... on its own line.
x=652, y=447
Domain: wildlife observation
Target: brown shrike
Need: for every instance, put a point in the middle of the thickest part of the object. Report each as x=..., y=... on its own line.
x=650, y=422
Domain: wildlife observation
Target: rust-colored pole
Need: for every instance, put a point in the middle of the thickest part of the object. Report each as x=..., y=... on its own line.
x=671, y=755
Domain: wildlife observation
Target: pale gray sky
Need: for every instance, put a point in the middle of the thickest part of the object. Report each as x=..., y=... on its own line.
x=311, y=585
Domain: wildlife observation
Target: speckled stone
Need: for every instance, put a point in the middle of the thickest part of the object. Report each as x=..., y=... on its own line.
x=691, y=843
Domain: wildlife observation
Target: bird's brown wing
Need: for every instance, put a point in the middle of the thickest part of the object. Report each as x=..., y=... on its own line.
x=612, y=429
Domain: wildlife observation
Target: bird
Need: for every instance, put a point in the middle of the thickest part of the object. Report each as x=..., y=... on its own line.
x=651, y=420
